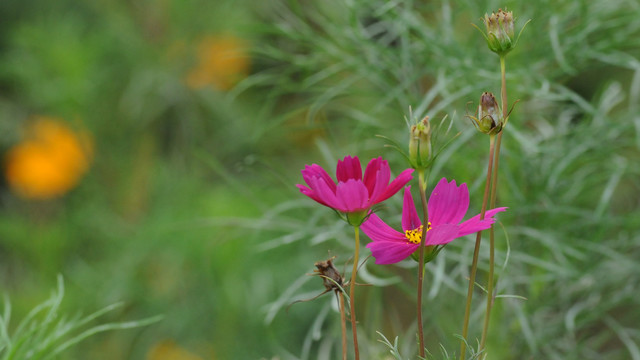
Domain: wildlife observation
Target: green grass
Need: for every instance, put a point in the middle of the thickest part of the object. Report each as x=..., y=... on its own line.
x=45, y=333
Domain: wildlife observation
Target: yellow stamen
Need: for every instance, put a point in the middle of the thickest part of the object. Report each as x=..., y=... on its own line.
x=415, y=236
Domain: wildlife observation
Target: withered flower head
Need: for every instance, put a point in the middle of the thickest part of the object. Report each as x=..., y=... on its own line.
x=489, y=117
x=331, y=278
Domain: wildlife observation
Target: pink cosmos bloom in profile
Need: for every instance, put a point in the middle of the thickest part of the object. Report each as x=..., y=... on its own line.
x=447, y=206
x=354, y=193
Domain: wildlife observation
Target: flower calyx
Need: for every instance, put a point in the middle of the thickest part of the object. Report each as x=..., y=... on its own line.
x=430, y=253
x=355, y=218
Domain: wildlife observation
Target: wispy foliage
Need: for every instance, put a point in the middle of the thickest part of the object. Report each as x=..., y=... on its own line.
x=46, y=332
x=569, y=171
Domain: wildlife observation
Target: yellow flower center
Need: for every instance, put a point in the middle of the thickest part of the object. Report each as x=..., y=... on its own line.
x=415, y=236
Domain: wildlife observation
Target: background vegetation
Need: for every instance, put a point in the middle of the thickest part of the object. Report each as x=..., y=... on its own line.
x=188, y=208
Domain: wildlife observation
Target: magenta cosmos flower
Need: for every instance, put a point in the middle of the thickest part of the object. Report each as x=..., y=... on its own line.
x=354, y=194
x=447, y=206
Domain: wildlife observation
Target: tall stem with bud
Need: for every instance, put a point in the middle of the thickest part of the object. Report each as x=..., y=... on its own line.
x=494, y=194
x=421, y=255
x=501, y=39
x=420, y=156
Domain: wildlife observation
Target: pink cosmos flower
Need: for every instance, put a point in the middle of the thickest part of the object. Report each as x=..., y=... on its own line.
x=447, y=206
x=353, y=193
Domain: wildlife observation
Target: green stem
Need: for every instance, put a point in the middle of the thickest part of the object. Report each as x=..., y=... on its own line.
x=423, y=196
x=343, y=326
x=494, y=194
x=503, y=89
x=476, y=251
x=351, y=292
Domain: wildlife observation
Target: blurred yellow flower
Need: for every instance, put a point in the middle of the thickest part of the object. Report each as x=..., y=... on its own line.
x=169, y=350
x=222, y=61
x=49, y=161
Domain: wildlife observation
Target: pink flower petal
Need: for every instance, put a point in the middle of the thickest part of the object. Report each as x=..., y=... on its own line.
x=382, y=180
x=390, y=252
x=410, y=218
x=310, y=193
x=371, y=173
x=352, y=195
x=441, y=234
x=324, y=193
x=448, y=203
x=462, y=204
x=349, y=168
x=395, y=185
x=317, y=171
x=475, y=224
x=377, y=230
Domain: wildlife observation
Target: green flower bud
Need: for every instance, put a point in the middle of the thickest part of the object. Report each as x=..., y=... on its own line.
x=500, y=36
x=420, y=144
x=500, y=33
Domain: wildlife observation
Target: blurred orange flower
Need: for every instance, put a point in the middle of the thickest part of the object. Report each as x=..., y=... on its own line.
x=222, y=61
x=169, y=350
x=49, y=161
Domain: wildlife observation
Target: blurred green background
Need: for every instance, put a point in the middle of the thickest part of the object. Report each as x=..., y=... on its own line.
x=181, y=127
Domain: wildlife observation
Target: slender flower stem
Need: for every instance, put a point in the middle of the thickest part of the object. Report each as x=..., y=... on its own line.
x=503, y=90
x=476, y=251
x=494, y=186
x=425, y=222
x=351, y=292
x=343, y=326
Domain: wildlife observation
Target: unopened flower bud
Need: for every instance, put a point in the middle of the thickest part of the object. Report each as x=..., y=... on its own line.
x=500, y=31
x=420, y=144
x=489, y=118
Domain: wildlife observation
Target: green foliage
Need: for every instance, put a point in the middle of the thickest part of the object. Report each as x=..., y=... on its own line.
x=190, y=208
x=45, y=333
x=568, y=166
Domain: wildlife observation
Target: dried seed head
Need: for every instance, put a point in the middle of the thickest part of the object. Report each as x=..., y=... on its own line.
x=331, y=277
x=489, y=117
